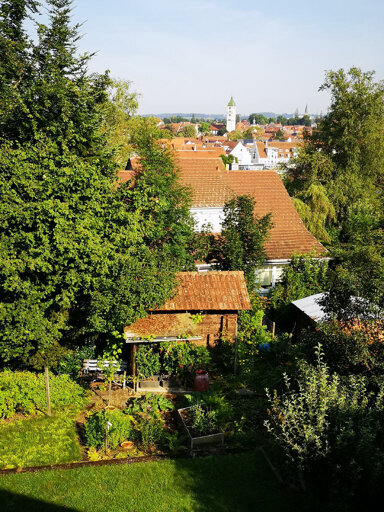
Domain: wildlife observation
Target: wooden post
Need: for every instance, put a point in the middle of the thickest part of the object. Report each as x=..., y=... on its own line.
x=47, y=392
x=124, y=379
x=236, y=346
x=134, y=348
x=273, y=329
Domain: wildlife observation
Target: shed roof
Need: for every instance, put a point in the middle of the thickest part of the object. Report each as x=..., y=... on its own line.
x=310, y=306
x=206, y=291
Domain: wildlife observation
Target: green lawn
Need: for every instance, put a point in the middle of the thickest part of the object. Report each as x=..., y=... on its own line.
x=233, y=483
x=39, y=440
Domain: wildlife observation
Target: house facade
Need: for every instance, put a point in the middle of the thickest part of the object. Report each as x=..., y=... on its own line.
x=213, y=186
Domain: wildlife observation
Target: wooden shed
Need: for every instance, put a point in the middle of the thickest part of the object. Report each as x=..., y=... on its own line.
x=204, y=308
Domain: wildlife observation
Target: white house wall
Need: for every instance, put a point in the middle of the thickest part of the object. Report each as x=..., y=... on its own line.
x=212, y=216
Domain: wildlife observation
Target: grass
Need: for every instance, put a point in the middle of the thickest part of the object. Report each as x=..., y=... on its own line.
x=39, y=440
x=233, y=483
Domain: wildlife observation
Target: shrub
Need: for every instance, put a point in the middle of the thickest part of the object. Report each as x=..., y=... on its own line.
x=354, y=346
x=72, y=363
x=204, y=421
x=331, y=426
x=148, y=361
x=24, y=392
x=122, y=428
x=174, y=358
x=151, y=404
x=179, y=358
x=151, y=432
x=216, y=402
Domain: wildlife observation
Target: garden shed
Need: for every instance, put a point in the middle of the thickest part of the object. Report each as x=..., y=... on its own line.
x=203, y=310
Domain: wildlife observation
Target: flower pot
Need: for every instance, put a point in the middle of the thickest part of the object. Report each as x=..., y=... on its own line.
x=127, y=445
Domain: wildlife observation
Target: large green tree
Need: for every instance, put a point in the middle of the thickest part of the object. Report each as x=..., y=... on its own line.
x=81, y=256
x=341, y=166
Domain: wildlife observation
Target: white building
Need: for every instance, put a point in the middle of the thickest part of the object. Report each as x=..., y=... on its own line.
x=231, y=115
x=242, y=156
x=212, y=187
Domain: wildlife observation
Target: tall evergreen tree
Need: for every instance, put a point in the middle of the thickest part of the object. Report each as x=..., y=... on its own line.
x=15, y=64
x=80, y=256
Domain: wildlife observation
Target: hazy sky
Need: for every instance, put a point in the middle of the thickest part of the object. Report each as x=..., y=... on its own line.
x=191, y=56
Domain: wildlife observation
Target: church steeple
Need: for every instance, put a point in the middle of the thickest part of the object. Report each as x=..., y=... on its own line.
x=231, y=115
x=231, y=102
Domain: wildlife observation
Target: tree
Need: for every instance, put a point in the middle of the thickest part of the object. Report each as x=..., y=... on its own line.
x=56, y=96
x=279, y=134
x=189, y=131
x=242, y=238
x=117, y=111
x=258, y=119
x=330, y=430
x=349, y=146
x=205, y=128
x=302, y=277
x=15, y=63
x=80, y=256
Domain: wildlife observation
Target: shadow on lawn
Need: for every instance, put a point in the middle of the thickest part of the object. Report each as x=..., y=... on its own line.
x=237, y=483
x=11, y=502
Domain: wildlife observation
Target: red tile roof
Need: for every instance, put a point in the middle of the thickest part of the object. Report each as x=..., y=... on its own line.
x=207, y=178
x=212, y=186
x=288, y=234
x=200, y=152
x=209, y=291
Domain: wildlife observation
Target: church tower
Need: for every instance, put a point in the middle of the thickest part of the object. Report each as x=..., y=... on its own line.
x=231, y=115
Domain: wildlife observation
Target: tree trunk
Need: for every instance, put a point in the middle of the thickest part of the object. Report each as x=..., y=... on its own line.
x=47, y=392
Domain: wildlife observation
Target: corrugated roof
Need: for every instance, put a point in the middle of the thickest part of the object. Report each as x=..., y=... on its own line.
x=310, y=306
x=209, y=291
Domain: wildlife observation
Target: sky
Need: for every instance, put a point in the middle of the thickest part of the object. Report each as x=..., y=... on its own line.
x=192, y=56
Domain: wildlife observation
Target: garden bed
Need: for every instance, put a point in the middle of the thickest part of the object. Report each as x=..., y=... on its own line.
x=196, y=438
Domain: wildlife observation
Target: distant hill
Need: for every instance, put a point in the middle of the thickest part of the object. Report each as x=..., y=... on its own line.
x=214, y=116
x=186, y=116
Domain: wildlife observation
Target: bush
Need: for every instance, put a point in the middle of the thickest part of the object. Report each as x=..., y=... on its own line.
x=24, y=392
x=303, y=276
x=179, y=358
x=213, y=401
x=151, y=404
x=148, y=361
x=151, y=432
x=204, y=421
x=72, y=363
x=331, y=427
x=122, y=428
x=176, y=358
x=354, y=346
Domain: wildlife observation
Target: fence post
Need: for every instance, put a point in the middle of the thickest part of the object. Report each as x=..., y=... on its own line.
x=47, y=392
